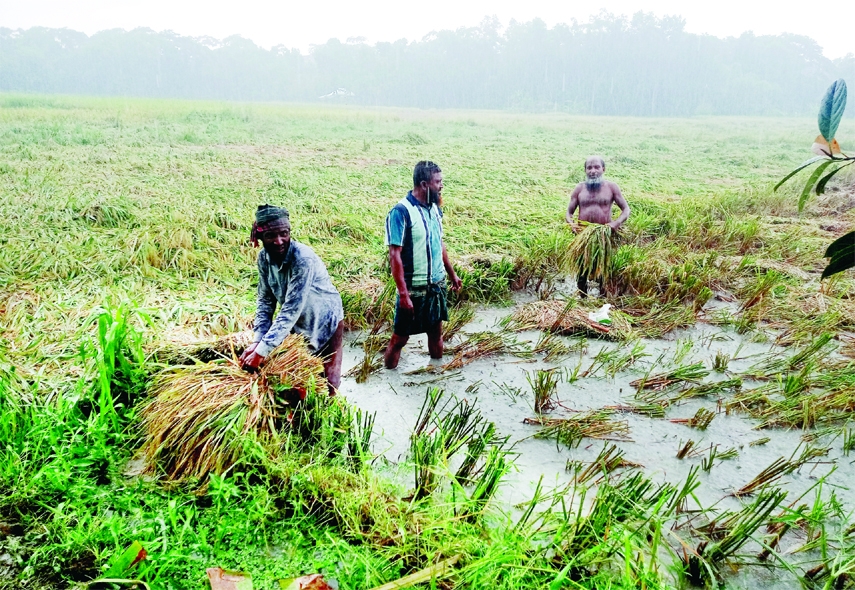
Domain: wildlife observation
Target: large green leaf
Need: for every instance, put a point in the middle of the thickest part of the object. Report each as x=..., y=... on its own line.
x=831, y=109
x=820, y=186
x=842, y=254
x=801, y=167
x=811, y=182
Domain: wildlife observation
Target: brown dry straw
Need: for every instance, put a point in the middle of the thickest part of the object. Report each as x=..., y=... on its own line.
x=198, y=414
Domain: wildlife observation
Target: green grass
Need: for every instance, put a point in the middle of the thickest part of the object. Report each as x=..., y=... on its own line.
x=142, y=208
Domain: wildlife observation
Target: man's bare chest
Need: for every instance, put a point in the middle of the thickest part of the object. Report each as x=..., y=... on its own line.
x=602, y=198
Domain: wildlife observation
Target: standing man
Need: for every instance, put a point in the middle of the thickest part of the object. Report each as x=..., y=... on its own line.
x=292, y=275
x=594, y=199
x=419, y=264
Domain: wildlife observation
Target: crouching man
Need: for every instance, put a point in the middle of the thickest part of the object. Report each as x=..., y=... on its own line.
x=419, y=264
x=292, y=275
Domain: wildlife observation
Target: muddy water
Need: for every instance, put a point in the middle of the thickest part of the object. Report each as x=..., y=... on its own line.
x=499, y=386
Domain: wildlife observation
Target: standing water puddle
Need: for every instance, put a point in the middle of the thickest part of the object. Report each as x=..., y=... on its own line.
x=498, y=386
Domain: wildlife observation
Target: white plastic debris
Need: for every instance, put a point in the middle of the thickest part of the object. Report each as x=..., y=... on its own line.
x=601, y=316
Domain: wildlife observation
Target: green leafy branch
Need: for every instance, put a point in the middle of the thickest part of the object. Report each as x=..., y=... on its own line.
x=841, y=252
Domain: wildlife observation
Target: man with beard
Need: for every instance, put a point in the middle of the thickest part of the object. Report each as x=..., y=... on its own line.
x=594, y=199
x=292, y=275
x=419, y=264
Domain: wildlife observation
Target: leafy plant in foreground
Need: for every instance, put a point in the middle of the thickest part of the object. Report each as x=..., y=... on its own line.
x=841, y=252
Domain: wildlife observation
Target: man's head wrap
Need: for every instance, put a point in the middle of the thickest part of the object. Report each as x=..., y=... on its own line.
x=265, y=216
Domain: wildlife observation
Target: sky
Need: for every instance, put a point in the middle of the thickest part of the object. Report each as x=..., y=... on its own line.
x=300, y=24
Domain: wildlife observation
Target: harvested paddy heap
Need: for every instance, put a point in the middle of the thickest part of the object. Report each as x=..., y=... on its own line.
x=125, y=227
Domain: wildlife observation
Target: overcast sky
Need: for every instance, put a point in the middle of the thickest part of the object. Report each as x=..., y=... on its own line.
x=303, y=23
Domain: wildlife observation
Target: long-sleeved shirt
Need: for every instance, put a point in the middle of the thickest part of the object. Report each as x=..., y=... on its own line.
x=309, y=303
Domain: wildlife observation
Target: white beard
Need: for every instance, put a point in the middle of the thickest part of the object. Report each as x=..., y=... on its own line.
x=594, y=184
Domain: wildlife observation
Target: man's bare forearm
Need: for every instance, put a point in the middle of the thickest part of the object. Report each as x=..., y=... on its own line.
x=624, y=215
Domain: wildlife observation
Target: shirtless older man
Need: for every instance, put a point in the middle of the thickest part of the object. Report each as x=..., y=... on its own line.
x=594, y=198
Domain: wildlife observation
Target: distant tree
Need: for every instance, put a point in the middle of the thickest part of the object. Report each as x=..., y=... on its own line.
x=829, y=161
x=610, y=65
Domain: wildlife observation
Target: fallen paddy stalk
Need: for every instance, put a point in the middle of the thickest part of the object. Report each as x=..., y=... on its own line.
x=775, y=365
x=701, y=420
x=642, y=409
x=690, y=373
x=484, y=344
x=610, y=459
x=570, y=431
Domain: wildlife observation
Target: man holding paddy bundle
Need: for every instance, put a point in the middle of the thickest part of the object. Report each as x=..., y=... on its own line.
x=590, y=252
x=292, y=275
x=419, y=264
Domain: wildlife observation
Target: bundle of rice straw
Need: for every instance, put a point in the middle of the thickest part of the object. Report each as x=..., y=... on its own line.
x=198, y=414
x=591, y=251
x=561, y=317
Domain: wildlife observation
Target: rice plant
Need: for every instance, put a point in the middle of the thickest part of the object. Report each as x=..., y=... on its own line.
x=769, y=475
x=720, y=362
x=686, y=449
x=475, y=449
x=441, y=430
x=727, y=535
x=570, y=431
x=567, y=319
x=553, y=347
x=359, y=438
x=486, y=483
x=708, y=461
x=685, y=374
x=848, y=441
x=701, y=420
x=543, y=384
x=642, y=409
x=591, y=251
x=774, y=365
x=609, y=459
x=615, y=360
x=458, y=317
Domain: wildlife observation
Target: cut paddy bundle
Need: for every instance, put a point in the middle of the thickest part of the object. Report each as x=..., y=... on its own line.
x=591, y=251
x=565, y=318
x=199, y=415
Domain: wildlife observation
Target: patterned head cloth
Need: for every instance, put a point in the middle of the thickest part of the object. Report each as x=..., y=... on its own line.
x=266, y=216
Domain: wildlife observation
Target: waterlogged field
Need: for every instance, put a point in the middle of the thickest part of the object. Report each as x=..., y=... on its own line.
x=125, y=242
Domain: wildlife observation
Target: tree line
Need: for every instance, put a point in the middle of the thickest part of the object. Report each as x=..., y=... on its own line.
x=610, y=65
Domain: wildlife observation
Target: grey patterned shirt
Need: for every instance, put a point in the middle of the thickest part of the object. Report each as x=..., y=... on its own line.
x=310, y=304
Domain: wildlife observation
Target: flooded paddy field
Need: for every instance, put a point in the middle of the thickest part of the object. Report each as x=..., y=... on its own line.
x=723, y=457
